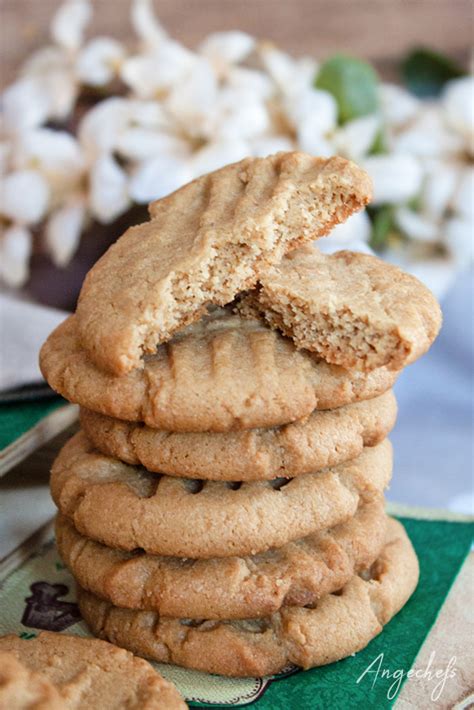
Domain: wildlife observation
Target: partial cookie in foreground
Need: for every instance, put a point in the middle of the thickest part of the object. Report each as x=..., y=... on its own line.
x=297, y=574
x=206, y=243
x=23, y=689
x=339, y=625
x=351, y=309
x=222, y=373
x=85, y=674
x=324, y=438
x=127, y=507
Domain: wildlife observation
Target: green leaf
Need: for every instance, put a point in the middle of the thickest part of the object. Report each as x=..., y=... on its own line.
x=353, y=83
x=383, y=224
x=425, y=72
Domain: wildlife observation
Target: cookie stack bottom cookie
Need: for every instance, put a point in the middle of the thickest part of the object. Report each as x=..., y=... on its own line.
x=259, y=573
x=338, y=625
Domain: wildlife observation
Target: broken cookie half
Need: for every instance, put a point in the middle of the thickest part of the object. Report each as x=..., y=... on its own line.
x=352, y=309
x=206, y=243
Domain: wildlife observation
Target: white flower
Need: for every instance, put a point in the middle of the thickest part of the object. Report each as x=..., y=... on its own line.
x=216, y=155
x=99, y=61
x=108, y=196
x=56, y=154
x=15, y=250
x=69, y=23
x=355, y=229
x=223, y=49
x=240, y=115
x=251, y=80
x=153, y=74
x=290, y=75
x=398, y=106
x=415, y=225
x=146, y=24
x=267, y=145
x=141, y=144
x=158, y=177
x=355, y=139
x=428, y=136
x=101, y=126
x=458, y=106
x=463, y=198
x=25, y=104
x=63, y=231
x=313, y=115
x=192, y=102
x=396, y=177
x=24, y=196
x=439, y=188
x=459, y=239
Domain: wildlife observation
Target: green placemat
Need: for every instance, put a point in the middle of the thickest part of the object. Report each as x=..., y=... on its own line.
x=18, y=418
x=441, y=547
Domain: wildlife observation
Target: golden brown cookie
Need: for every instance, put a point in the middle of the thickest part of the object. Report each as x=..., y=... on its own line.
x=339, y=625
x=324, y=438
x=351, y=309
x=23, y=689
x=222, y=373
x=206, y=243
x=297, y=574
x=127, y=507
x=85, y=673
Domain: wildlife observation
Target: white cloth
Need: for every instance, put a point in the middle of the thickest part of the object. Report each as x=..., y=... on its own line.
x=24, y=327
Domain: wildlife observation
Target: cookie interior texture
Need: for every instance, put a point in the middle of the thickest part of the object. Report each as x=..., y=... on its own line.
x=339, y=624
x=85, y=673
x=220, y=374
x=127, y=507
x=206, y=243
x=352, y=309
x=297, y=574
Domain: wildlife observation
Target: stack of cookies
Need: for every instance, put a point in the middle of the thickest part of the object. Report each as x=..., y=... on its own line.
x=222, y=507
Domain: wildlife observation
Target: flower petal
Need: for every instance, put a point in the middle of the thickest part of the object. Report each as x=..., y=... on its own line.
x=357, y=228
x=158, y=177
x=463, y=200
x=355, y=138
x=267, y=145
x=99, y=62
x=146, y=24
x=24, y=197
x=192, y=102
x=150, y=75
x=217, y=154
x=458, y=237
x=63, y=232
x=15, y=251
x=138, y=143
x=69, y=23
x=100, y=128
x=224, y=48
x=25, y=104
x=458, y=105
x=108, y=189
x=396, y=177
x=415, y=225
x=56, y=154
x=397, y=104
x=439, y=188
